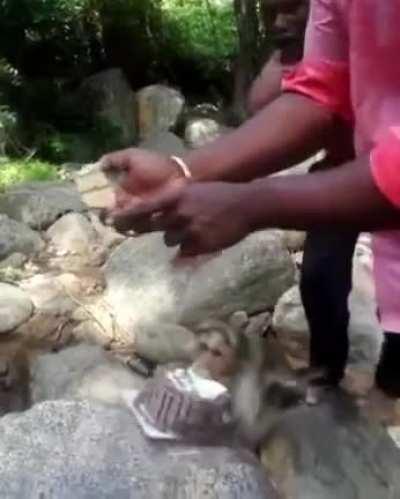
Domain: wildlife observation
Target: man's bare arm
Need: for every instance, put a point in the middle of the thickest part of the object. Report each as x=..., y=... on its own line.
x=204, y=217
x=284, y=133
x=266, y=87
x=345, y=197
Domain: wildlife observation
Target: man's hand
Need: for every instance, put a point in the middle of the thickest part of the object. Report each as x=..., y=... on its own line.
x=146, y=175
x=201, y=217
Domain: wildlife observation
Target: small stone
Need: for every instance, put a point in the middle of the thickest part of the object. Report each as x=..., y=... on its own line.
x=48, y=294
x=202, y=131
x=73, y=234
x=16, y=237
x=15, y=307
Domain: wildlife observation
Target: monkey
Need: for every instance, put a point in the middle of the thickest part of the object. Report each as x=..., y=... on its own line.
x=217, y=351
x=17, y=354
x=253, y=368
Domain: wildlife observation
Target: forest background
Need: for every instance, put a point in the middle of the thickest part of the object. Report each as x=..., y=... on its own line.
x=209, y=49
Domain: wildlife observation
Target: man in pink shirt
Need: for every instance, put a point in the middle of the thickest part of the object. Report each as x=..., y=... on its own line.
x=217, y=195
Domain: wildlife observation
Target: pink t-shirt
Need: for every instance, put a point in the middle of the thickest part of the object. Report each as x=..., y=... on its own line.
x=352, y=65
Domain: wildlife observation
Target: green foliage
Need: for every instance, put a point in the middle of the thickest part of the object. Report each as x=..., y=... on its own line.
x=13, y=172
x=61, y=32
x=48, y=47
x=78, y=146
x=200, y=28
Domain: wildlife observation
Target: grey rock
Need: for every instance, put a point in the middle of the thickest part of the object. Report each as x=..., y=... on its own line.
x=40, y=204
x=294, y=240
x=16, y=237
x=15, y=261
x=164, y=143
x=81, y=372
x=147, y=285
x=109, y=236
x=163, y=343
x=365, y=333
x=205, y=110
x=48, y=294
x=115, y=101
x=81, y=450
x=290, y=323
x=158, y=109
x=330, y=452
x=72, y=234
x=15, y=307
x=202, y=131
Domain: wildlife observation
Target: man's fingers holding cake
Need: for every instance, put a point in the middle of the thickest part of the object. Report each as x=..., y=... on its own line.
x=145, y=214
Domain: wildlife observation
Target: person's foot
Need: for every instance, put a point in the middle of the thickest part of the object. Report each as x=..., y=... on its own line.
x=387, y=375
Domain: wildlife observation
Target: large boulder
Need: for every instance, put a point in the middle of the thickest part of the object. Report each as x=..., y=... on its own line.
x=16, y=237
x=290, y=322
x=84, y=450
x=147, y=284
x=114, y=102
x=40, y=204
x=291, y=325
x=329, y=452
x=81, y=372
x=15, y=307
x=158, y=109
x=164, y=143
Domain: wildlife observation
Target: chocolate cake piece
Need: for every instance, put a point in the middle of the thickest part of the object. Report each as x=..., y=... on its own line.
x=97, y=187
x=178, y=403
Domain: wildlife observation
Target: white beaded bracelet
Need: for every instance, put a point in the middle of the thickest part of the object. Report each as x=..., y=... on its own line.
x=182, y=166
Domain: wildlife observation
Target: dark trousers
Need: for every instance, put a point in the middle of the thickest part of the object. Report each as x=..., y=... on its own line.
x=325, y=286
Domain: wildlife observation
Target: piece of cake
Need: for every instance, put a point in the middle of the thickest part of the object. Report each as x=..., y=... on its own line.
x=96, y=187
x=185, y=404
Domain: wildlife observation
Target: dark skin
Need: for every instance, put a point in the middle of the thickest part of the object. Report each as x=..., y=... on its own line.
x=221, y=205
x=267, y=85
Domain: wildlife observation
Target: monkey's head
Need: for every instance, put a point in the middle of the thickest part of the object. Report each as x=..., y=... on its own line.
x=217, y=356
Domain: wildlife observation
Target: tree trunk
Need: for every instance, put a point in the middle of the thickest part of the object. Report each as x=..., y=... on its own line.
x=246, y=65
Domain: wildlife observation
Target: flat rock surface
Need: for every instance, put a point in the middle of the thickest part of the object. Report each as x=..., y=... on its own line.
x=81, y=450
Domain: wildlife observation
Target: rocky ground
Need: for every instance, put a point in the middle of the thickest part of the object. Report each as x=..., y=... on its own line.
x=81, y=305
